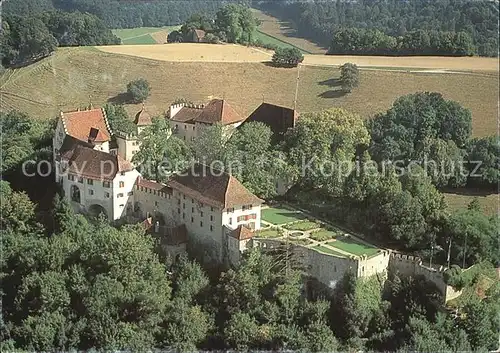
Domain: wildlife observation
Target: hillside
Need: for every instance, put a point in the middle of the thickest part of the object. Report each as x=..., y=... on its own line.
x=67, y=79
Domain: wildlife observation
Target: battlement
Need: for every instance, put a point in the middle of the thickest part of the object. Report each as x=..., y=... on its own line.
x=125, y=136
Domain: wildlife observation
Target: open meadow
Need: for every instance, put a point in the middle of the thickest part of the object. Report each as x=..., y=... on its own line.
x=144, y=35
x=72, y=77
x=283, y=31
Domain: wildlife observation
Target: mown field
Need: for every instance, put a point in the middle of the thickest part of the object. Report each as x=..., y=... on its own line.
x=144, y=35
x=70, y=76
x=283, y=31
x=268, y=39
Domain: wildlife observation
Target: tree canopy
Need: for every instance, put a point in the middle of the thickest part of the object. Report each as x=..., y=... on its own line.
x=461, y=27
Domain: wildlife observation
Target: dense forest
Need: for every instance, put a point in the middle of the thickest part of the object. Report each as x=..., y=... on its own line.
x=395, y=27
x=123, y=13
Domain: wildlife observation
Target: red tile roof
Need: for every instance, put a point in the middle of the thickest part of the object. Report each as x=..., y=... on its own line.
x=213, y=187
x=216, y=111
x=142, y=118
x=242, y=233
x=153, y=185
x=79, y=124
x=94, y=164
x=187, y=115
x=219, y=111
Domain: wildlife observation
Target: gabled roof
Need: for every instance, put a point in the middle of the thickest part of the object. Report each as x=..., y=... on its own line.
x=242, y=233
x=213, y=187
x=200, y=33
x=219, y=111
x=87, y=162
x=142, y=118
x=187, y=115
x=278, y=118
x=69, y=143
x=153, y=185
x=80, y=123
x=216, y=111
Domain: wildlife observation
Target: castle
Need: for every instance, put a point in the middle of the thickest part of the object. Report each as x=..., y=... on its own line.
x=205, y=207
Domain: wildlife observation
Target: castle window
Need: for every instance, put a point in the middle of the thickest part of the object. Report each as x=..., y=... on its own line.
x=106, y=184
x=91, y=192
x=229, y=210
x=122, y=173
x=192, y=209
x=80, y=180
x=231, y=220
x=201, y=224
x=183, y=216
x=119, y=195
x=193, y=128
x=156, y=203
x=212, y=218
x=122, y=205
x=183, y=197
x=179, y=211
x=121, y=184
x=192, y=219
x=106, y=195
x=134, y=152
x=211, y=209
x=71, y=177
x=154, y=192
x=201, y=214
x=130, y=193
x=183, y=206
x=211, y=228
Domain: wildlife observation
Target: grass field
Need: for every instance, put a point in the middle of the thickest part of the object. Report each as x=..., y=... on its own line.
x=143, y=35
x=278, y=215
x=65, y=80
x=489, y=203
x=329, y=251
x=267, y=39
x=283, y=31
x=303, y=226
x=353, y=246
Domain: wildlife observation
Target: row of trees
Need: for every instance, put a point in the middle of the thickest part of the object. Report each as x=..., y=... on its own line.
x=73, y=283
x=120, y=13
x=460, y=27
x=358, y=41
x=25, y=39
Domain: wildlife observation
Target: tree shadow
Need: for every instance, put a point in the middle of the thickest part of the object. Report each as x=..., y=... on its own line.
x=471, y=191
x=121, y=98
x=332, y=82
x=332, y=94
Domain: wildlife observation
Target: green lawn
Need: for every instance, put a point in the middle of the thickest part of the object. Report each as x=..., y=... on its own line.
x=303, y=226
x=267, y=39
x=268, y=233
x=144, y=39
x=353, y=246
x=277, y=215
x=329, y=251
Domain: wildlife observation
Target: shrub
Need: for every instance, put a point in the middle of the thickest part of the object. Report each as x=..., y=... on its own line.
x=138, y=90
x=211, y=38
x=349, y=76
x=288, y=57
